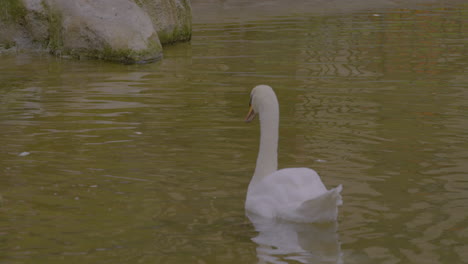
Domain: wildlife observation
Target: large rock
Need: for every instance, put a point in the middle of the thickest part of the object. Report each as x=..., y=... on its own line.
x=109, y=29
x=172, y=19
x=118, y=30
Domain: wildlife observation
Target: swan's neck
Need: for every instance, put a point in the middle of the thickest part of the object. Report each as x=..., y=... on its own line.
x=267, y=160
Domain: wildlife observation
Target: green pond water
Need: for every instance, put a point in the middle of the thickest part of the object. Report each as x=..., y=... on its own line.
x=108, y=163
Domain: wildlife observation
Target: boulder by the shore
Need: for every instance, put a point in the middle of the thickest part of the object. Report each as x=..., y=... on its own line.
x=129, y=31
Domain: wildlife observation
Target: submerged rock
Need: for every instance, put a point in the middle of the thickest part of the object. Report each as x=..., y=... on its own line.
x=117, y=30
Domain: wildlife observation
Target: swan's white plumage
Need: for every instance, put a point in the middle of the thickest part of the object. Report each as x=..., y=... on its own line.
x=296, y=194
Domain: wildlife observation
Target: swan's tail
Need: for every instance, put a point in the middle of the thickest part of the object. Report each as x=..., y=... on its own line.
x=323, y=208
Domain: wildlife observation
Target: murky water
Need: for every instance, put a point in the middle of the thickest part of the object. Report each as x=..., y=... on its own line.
x=105, y=163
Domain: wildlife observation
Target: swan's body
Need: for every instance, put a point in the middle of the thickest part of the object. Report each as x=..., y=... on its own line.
x=295, y=194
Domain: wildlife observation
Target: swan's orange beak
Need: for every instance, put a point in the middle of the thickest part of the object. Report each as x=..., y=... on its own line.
x=250, y=115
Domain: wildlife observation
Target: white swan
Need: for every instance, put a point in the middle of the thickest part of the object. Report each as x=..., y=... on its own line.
x=295, y=194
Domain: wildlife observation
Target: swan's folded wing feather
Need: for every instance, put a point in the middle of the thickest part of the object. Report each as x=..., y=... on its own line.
x=297, y=194
x=320, y=209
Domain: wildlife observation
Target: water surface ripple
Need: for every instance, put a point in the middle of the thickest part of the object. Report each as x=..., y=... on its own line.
x=107, y=163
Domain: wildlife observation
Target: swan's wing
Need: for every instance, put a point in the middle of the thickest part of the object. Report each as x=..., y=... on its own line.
x=284, y=191
x=322, y=208
x=296, y=184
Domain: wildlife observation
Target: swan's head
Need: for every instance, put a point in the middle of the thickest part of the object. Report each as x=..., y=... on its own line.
x=261, y=97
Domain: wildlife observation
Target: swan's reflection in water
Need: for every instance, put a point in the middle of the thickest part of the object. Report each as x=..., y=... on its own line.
x=287, y=242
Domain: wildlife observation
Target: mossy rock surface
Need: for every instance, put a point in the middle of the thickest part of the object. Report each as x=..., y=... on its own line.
x=131, y=31
x=123, y=33
x=12, y=11
x=171, y=18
